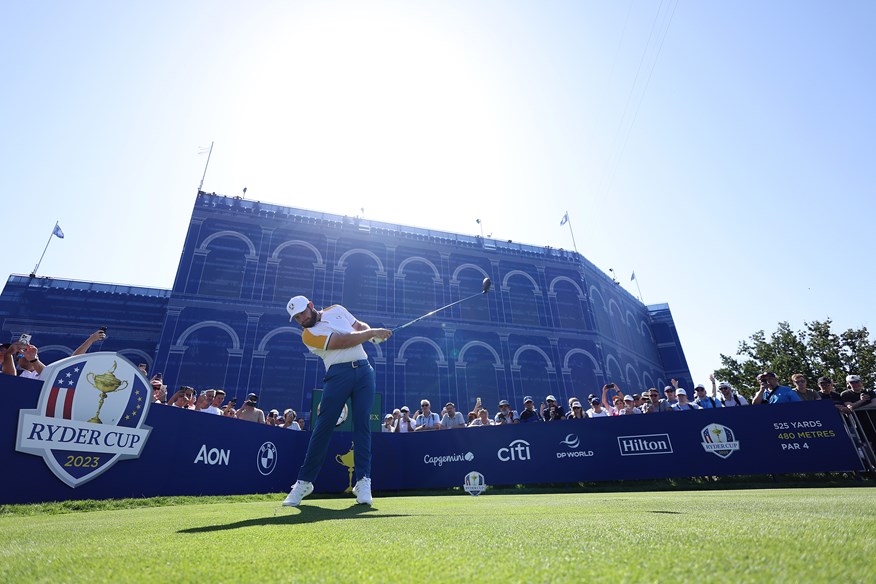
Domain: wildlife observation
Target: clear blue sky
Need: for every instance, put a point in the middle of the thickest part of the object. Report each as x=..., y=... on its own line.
x=723, y=151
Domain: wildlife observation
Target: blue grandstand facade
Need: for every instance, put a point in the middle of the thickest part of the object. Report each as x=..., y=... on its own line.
x=551, y=324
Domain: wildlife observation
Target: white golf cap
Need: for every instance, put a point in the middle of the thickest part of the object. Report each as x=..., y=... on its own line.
x=296, y=305
x=681, y=392
x=550, y=398
x=852, y=378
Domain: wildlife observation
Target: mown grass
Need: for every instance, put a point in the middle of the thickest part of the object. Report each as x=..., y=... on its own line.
x=808, y=535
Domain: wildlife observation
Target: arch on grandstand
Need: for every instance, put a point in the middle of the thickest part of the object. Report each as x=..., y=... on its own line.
x=298, y=243
x=587, y=354
x=428, y=341
x=538, y=350
x=359, y=250
x=594, y=289
x=235, y=234
x=460, y=360
x=520, y=273
x=608, y=359
x=273, y=333
x=631, y=369
x=647, y=380
x=401, y=267
x=643, y=326
x=565, y=279
x=235, y=340
x=611, y=301
x=455, y=278
x=630, y=319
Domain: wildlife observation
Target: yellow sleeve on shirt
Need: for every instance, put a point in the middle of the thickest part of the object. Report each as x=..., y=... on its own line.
x=315, y=341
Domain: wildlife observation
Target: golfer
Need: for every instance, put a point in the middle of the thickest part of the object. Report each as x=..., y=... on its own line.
x=335, y=335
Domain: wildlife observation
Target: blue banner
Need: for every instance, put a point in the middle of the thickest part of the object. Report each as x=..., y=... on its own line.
x=190, y=453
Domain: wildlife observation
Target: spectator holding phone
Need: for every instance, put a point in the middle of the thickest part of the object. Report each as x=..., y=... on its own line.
x=249, y=411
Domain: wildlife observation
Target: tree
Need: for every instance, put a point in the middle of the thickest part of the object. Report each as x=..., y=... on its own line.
x=814, y=351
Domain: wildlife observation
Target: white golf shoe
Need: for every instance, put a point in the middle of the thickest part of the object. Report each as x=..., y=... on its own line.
x=300, y=490
x=362, y=490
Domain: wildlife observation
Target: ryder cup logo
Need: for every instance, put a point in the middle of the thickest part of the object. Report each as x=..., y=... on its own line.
x=719, y=440
x=89, y=416
x=474, y=483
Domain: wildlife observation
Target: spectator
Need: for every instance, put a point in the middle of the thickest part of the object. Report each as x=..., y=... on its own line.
x=210, y=397
x=98, y=335
x=669, y=392
x=629, y=408
x=483, y=419
x=142, y=368
x=771, y=392
x=396, y=414
x=799, y=380
x=638, y=401
x=856, y=396
x=290, y=421
x=826, y=391
x=427, y=420
x=617, y=398
x=273, y=418
x=179, y=399
x=29, y=363
x=654, y=403
x=706, y=402
x=576, y=411
x=230, y=410
x=7, y=357
x=509, y=416
x=529, y=414
x=683, y=405
x=471, y=418
x=552, y=411
x=159, y=393
x=300, y=423
x=387, y=423
x=202, y=402
x=452, y=418
x=249, y=411
x=729, y=398
x=596, y=410
x=405, y=423
x=218, y=398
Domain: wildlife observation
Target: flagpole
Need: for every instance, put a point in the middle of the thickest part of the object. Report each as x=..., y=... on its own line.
x=569, y=221
x=201, y=186
x=51, y=235
x=642, y=300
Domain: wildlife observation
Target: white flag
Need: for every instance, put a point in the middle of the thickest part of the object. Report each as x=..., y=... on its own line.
x=565, y=219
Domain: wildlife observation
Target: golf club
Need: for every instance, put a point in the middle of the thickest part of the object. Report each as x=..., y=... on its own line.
x=487, y=284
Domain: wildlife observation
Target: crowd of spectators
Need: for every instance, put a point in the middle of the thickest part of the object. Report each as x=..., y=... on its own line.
x=613, y=402
x=22, y=358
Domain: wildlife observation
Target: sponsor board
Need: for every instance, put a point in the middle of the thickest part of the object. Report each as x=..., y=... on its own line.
x=644, y=444
x=441, y=459
x=572, y=443
x=517, y=450
x=90, y=415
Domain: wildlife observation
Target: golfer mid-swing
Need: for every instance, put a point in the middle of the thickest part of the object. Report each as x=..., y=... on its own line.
x=335, y=335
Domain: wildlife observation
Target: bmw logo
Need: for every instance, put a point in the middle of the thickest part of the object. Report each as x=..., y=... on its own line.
x=267, y=458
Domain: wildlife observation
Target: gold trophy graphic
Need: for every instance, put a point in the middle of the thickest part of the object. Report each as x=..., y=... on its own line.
x=347, y=460
x=106, y=383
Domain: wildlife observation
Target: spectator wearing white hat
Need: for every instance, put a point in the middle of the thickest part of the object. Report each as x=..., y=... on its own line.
x=387, y=423
x=551, y=411
x=629, y=408
x=290, y=420
x=683, y=404
x=576, y=411
x=856, y=396
x=725, y=393
x=404, y=423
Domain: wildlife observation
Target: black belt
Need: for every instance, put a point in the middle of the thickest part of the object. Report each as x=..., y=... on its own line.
x=353, y=364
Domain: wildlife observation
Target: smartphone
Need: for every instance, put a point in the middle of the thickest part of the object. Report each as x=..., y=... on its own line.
x=24, y=339
x=102, y=329
x=610, y=386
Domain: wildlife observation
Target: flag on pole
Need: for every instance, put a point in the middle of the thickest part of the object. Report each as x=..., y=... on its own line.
x=565, y=219
x=633, y=277
x=57, y=232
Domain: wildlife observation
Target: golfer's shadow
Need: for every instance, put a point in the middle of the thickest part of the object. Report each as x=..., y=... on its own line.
x=305, y=514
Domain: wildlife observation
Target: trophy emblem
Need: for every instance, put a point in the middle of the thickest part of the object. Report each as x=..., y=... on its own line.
x=347, y=460
x=105, y=383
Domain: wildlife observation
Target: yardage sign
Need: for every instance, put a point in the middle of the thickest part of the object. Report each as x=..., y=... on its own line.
x=89, y=416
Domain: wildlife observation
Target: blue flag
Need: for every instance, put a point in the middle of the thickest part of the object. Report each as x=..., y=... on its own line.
x=565, y=219
x=57, y=231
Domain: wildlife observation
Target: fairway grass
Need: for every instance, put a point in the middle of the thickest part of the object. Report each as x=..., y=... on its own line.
x=774, y=535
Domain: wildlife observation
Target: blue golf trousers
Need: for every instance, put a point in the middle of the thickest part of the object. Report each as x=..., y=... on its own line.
x=343, y=381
